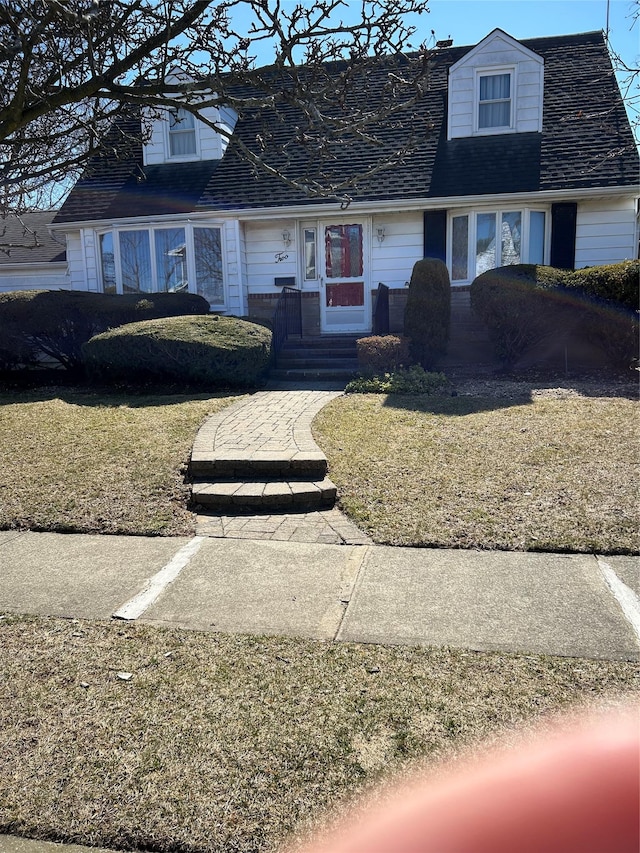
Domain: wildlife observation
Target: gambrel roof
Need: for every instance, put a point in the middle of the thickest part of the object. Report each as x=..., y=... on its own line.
x=586, y=142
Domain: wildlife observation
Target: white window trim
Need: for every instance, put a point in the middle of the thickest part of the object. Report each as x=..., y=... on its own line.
x=492, y=71
x=190, y=254
x=180, y=158
x=472, y=214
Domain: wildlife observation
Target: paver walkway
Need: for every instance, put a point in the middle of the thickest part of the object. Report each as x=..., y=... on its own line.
x=270, y=429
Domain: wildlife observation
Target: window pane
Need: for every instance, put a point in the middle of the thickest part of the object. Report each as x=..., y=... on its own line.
x=207, y=246
x=135, y=259
x=171, y=261
x=494, y=87
x=343, y=251
x=485, y=242
x=536, y=237
x=182, y=133
x=511, y=238
x=460, y=248
x=346, y=294
x=495, y=115
x=310, y=254
x=108, y=263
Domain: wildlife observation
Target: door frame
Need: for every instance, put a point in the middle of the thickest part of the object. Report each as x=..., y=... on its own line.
x=348, y=328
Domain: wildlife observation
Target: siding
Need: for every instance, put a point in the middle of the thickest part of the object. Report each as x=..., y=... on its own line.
x=267, y=256
x=211, y=146
x=34, y=279
x=392, y=261
x=528, y=91
x=605, y=232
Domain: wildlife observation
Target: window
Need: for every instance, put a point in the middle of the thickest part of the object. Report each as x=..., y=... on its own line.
x=480, y=241
x=163, y=260
x=182, y=134
x=310, y=267
x=494, y=101
x=343, y=251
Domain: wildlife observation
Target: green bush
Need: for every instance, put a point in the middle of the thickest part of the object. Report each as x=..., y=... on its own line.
x=205, y=351
x=524, y=304
x=428, y=311
x=380, y=354
x=412, y=380
x=55, y=323
x=520, y=306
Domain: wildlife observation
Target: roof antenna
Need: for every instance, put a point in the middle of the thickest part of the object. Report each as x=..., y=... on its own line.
x=607, y=29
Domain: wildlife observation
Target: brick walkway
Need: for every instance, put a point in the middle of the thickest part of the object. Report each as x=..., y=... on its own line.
x=270, y=428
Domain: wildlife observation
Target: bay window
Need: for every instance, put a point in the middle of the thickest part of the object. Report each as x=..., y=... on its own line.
x=483, y=240
x=163, y=260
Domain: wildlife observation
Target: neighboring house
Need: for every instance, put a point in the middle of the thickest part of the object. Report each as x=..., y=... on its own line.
x=524, y=154
x=30, y=257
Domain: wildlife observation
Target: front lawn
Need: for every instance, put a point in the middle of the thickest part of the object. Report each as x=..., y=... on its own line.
x=546, y=470
x=227, y=744
x=91, y=463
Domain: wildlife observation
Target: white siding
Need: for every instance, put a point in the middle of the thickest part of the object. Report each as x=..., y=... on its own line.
x=497, y=51
x=232, y=271
x=392, y=260
x=605, y=232
x=35, y=278
x=210, y=145
x=267, y=256
x=75, y=260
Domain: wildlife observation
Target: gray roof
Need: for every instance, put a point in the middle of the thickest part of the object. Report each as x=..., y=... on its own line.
x=586, y=142
x=26, y=240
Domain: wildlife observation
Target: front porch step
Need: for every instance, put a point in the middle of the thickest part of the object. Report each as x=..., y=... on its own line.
x=294, y=361
x=311, y=373
x=272, y=495
x=245, y=466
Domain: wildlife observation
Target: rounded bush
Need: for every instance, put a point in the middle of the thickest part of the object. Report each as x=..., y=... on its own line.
x=198, y=350
x=379, y=354
x=55, y=323
x=427, y=313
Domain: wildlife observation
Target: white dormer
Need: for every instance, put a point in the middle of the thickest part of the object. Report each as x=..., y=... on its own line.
x=497, y=87
x=177, y=136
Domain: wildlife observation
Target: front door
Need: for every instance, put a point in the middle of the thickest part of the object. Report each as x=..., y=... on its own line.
x=345, y=295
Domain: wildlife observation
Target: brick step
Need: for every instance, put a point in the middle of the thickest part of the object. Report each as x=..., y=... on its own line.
x=291, y=362
x=317, y=352
x=265, y=494
x=294, y=464
x=308, y=373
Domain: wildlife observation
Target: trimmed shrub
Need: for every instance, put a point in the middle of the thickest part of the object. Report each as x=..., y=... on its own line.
x=55, y=323
x=611, y=298
x=520, y=306
x=412, y=380
x=428, y=311
x=380, y=354
x=205, y=351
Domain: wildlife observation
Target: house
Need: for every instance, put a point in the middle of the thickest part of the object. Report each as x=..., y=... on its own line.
x=524, y=154
x=30, y=257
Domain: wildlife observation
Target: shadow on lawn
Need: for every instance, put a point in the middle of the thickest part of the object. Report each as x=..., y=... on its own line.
x=493, y=394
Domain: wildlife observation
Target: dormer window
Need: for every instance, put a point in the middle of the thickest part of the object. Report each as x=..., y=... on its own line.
x=182, y=134
x=494, y=101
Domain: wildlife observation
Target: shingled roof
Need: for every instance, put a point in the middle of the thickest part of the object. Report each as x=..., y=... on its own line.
x=26, y=240
x=586, y=142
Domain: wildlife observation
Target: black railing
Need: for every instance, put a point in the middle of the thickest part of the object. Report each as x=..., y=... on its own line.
x=287, y=318
x=381, y=311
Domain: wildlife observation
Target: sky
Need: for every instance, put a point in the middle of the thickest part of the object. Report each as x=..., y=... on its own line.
x=468, y=21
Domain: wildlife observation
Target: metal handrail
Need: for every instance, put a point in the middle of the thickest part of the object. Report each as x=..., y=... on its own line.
x=287, y=318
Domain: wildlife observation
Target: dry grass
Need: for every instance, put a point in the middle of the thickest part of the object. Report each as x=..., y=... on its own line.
x=549, y=472
x=90, y=463
x=223, y=743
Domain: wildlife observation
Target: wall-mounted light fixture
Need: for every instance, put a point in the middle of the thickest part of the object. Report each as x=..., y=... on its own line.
x=380, y=233
x=286, y=237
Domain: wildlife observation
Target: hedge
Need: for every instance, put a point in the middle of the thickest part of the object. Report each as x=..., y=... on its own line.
x=379, y=354
x=55, y=323
x=204, y=351
x=522, y=305
x=428, y=311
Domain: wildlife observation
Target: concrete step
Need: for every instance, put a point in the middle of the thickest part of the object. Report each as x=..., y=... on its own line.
x=307, y=373
x=274, y=495
x=294, y=464
x=292, y=361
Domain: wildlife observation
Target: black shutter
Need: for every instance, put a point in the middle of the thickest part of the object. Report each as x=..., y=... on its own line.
x=563, y=235
x=435, y=234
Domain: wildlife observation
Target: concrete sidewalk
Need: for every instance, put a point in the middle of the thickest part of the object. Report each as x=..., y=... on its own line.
x=557, y=604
